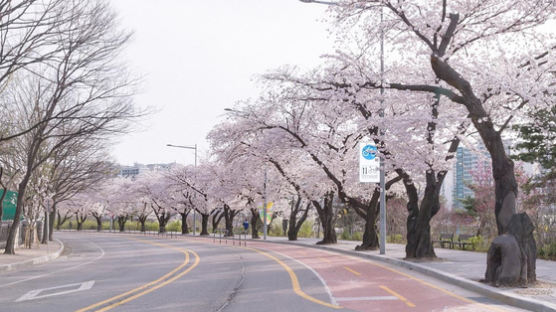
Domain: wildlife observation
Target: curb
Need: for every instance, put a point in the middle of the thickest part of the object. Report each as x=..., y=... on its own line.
x=488, y=291
x=33, y=261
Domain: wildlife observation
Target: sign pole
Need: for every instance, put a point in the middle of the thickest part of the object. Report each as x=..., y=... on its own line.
x=382, y=178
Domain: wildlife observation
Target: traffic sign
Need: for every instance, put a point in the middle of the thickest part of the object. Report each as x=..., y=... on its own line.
x=369, y=163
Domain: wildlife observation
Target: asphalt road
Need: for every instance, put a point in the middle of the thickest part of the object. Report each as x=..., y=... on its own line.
x=115, y=272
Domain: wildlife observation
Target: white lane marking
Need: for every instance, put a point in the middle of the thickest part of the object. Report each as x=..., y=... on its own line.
x=102, y=253
x=332, y=299
x=367, y=298
x=35, y=294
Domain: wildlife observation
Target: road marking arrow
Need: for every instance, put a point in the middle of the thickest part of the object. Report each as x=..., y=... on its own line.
x=35, y=294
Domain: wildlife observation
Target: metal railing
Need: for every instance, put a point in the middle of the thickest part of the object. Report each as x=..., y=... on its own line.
x=236, y=239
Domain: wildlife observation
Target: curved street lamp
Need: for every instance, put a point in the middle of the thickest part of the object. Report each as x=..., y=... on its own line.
x=193, y=147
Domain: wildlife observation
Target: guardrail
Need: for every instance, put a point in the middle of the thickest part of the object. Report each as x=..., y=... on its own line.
x=239, y=239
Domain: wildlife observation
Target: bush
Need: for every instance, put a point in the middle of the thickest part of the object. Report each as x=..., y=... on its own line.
x=306, y=229
x=477, y=242
x=395, y=239
x=174, y=226
x=276, y=229
x=356, y=236
x=547, y=251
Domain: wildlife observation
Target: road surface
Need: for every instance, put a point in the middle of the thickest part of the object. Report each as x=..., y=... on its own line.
x=122, y=272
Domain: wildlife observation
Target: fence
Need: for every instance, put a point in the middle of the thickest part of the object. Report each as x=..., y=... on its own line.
x=217, y=237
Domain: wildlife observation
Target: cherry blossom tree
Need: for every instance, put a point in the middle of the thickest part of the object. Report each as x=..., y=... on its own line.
x=473, y=60
x=157, y=188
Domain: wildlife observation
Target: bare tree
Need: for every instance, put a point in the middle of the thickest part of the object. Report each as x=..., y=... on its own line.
x=80, y=92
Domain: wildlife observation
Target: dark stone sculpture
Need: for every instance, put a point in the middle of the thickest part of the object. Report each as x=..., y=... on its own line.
x=512, y=255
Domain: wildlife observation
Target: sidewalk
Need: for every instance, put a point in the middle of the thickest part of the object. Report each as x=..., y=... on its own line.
x=25, y=257
x=462, y=268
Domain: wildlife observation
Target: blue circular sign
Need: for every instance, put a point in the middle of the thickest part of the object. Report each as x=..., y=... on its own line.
x=369, y=152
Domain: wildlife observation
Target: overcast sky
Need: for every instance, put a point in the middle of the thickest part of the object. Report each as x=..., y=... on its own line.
x=198, y=57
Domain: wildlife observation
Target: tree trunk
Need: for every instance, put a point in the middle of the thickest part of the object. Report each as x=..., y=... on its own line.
x=99, y=223
x=327, y=218
x=10, y=242
x=370, y=236
x=5, y=191
x=204, y=224
x=142, y=219
x=44, y=239
x=295, y=225
x=59, y=221
x=163, y=221
x=254, y=223
x=51, y=221
x=184, y=228
x=419, y=242
x=216, y=218
x=121, y=222
x=229, y=215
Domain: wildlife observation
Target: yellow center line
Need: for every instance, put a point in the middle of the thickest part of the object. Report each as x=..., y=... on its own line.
x=158, y=280
x=295, y=282
x=352, y=271
x=393, y=293
x=325, y=260
x=197, y=259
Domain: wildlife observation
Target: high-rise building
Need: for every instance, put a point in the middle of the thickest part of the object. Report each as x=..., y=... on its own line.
x=468, y=161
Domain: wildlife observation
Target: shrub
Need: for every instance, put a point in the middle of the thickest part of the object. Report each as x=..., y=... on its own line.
x=547, y=251
x=275, y=229
x=174, y=226
x=395, y=239
x=306, y=229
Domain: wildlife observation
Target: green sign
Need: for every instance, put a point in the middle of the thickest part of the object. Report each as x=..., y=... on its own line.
x=9, y=205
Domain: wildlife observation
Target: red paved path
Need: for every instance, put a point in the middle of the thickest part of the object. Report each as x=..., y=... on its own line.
x=363, y=285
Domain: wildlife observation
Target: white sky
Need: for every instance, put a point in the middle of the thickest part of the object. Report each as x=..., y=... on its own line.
x=199, y=57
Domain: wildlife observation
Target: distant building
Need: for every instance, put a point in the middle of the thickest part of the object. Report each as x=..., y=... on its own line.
x=467, y=161
x=136, y=169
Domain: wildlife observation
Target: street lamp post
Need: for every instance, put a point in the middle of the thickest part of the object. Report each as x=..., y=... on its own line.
x=382, y=227
x=193, y=147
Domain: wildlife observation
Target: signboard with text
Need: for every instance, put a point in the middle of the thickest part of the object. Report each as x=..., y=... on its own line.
x=369, y=163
